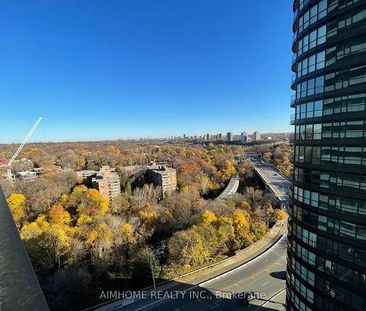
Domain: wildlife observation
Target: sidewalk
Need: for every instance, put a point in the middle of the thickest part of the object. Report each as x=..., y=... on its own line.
x=209, y=272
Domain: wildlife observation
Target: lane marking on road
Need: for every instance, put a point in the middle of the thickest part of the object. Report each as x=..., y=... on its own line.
x=257, y=277
x=247, y=263
x=270, y=299
x=219, y=276
x=214, y=306
x=189, y=303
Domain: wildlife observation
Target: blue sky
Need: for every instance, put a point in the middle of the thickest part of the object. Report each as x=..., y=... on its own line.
x=97, y=69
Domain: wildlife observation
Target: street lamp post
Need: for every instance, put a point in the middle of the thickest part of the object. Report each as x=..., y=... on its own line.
x=152, y=273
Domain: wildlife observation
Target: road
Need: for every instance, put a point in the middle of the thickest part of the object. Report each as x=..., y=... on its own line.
x=264, y=276
x=231, y=188
x=278, y=184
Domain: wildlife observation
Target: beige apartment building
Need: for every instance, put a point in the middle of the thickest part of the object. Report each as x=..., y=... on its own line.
x=107, y=182
x=165, y=177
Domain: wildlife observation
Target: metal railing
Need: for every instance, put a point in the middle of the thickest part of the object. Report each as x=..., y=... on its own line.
x=293, y=78
x=293, y=99
x=309, y=69
x=328, y=9
x=312, y=19
x=345, y=109
x=313, y=43
x=293, y=119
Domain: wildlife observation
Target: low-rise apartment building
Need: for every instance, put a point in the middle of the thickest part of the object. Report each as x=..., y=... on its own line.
x=106, y=180
x=108, y=183
x=165, y=177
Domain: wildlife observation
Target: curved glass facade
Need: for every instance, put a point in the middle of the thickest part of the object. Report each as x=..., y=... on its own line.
x=326, y=267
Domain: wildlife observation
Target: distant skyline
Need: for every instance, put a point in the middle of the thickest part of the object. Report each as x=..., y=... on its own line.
x=200, y=135
x=98, y=70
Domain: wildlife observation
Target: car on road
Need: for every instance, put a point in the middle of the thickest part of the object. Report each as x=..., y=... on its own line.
x=275, y=174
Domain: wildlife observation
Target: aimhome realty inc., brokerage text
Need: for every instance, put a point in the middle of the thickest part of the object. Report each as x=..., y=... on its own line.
x=189, y=294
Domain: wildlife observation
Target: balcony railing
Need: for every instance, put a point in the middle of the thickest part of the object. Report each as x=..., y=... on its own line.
x=312, y=43
x=19, y=287
x=312, y=19
x=293, y=99
x=293, y=78
x=294, y=58
x=293, y=119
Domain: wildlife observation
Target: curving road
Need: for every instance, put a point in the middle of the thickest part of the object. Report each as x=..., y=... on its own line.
x=230, y=189
x=265, y=276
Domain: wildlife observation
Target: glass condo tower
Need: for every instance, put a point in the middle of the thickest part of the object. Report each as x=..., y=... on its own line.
x=326, y=264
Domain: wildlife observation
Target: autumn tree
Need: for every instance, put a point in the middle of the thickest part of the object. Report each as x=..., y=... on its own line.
x=47, y=243
x=100, y=242
x=42, y=193
x=121, y=205
x=17, y=205
x=228, y=170
x=186, y=248
x=259, y=229
x=246, y=169
x=281, y=214
x=141, y=196
x=88, y=203
x=58, y=215
x=208, y=217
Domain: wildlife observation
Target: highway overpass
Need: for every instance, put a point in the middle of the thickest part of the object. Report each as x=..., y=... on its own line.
x=231, y=188
x=277, y=183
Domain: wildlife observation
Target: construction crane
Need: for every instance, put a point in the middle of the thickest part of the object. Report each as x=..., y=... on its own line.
x=25, y=140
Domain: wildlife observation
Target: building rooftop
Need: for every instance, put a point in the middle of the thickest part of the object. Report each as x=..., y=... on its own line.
x=161, y=168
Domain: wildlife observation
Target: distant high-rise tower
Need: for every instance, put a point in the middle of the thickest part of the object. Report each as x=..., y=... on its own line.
x=256, y=136
x=242, y=134
x=243, y=137
x=229, y=136
x=326, y=267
